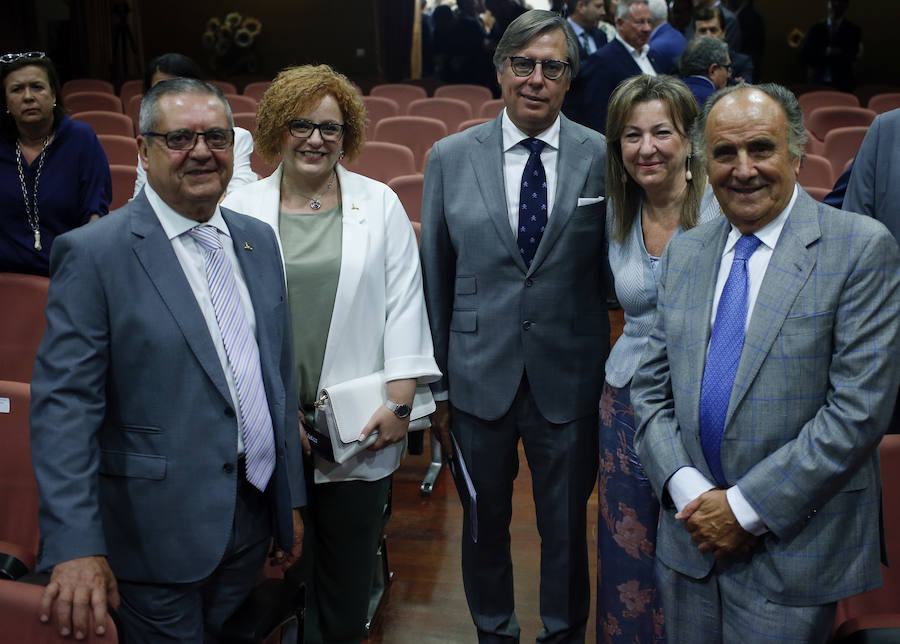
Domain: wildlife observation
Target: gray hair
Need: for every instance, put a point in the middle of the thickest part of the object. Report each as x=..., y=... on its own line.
x=659, y=11
x=796, y=132
x=149, y=117
x=702, y=52
x=529, y=25
x=625, y=5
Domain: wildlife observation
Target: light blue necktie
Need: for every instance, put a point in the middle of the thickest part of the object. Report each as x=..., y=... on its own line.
x=725, y=348
x=243, y=358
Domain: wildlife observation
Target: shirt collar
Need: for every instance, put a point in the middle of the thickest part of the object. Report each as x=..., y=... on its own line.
x=174, y=224
x=769, y=233
x=512, y=135
x=576, y=27
x=631, y=50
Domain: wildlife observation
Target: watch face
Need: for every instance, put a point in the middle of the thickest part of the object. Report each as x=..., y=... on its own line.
x=401, y=411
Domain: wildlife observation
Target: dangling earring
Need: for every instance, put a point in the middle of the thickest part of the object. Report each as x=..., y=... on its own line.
x=624, y=178
x=687, y=168
x=341, y=154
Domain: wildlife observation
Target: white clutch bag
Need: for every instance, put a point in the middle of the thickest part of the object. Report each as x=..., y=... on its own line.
x=342, y=411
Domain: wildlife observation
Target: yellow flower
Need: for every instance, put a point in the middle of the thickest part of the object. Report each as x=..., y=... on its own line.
x=243, y=37
x=253, y=25
x=233, y=19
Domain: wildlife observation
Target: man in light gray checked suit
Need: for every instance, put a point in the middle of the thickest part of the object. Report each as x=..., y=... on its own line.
x=513, y=254
x=765, y=389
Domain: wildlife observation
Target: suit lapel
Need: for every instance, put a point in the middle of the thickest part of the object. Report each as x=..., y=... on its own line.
x=354, y=248
x=256, y=269
x=487, y=160
x=571, y=172
x=789, y=268
x=154, y=252
x=701, y=288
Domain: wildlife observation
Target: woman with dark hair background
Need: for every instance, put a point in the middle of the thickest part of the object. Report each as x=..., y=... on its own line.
x=54, y=175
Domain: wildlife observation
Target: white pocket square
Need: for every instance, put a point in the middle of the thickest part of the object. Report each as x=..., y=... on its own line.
x=588, y=201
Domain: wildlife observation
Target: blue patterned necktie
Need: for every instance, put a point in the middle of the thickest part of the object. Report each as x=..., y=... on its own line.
x=243, y=358
x=532, y=202
x=725, y=348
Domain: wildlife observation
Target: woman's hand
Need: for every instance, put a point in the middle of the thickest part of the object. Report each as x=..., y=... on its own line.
x=390, y=428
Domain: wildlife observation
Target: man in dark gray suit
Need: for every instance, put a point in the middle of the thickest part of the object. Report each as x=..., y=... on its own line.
x=164, y=411
x=765, y=389
x=513, y=257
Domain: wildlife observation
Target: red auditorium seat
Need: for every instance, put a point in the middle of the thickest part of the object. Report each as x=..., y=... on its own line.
x=382, y=161
x=89, y=101
x=256, y=90
x=418, y=133
x=409, y=188
x=120, y=150
x=106, y=122
x=452, y=111
x=403, y=93
x=18, y=487
x=123, y=178
x=22, y=323
x=474, y=95
x=816, y=171
x=377, y=108
x=87, y=85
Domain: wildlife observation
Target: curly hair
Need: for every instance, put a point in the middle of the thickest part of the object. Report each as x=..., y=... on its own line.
x=621, y=187
x=296, y=89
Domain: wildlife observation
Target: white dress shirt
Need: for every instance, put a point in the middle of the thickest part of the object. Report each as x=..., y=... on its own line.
x=688, y=483
x=640, y=56
x=192, y=258
x=515, y=157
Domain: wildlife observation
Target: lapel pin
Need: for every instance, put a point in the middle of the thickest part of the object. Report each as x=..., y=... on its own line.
x=247, y=246
x=353, y=207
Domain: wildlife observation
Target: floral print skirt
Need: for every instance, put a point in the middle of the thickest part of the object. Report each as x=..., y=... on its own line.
x=629, y=608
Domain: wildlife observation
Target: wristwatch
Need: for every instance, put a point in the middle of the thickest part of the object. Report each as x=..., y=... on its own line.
x=400, y=410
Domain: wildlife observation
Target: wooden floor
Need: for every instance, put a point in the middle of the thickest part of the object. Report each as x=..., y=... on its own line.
x=425, y=602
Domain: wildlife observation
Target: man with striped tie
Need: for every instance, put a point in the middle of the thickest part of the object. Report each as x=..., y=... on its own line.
x=164, y=411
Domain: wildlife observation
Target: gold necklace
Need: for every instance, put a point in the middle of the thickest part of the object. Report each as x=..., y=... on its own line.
x=32, y=218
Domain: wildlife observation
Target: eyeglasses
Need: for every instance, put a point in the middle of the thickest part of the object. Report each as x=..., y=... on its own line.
x=728, y=68
x=303, y=129
x=216, y=139
x=524, y=66
x=11, y=58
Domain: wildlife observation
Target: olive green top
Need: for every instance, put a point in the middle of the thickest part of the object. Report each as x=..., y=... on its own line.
x=312, y=263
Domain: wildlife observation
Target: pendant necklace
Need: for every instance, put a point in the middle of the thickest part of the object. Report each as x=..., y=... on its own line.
x=32, y=218
x=314, y=202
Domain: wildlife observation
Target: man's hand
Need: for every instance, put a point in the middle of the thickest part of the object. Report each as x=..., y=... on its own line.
x=79, y=588
x=713, y=525
x=440, y=427
x=287, y=559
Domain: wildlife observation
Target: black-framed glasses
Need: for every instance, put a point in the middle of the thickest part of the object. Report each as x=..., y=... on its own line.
x=303, y=129
x=11, y=58
x=216, y=138
x=727, y=67
x=524, y=66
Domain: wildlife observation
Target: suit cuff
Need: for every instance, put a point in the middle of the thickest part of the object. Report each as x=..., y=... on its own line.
x=685, y=485
x=744, y=512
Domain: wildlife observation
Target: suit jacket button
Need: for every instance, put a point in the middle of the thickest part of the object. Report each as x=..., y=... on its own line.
x=529, y=282
x=228, y=468
x=527, y=324
x=229, y=412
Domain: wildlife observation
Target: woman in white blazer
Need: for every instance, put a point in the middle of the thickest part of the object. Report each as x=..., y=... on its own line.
x=355, y=289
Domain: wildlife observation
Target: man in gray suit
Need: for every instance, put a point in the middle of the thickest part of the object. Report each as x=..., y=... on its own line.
x=513, y=257
x=164, y=412
x=765, y=389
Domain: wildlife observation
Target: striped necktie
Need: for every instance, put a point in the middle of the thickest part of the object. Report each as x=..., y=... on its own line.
x=243, y=358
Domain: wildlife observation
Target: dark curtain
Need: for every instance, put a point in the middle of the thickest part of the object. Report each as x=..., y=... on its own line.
x=395, y=38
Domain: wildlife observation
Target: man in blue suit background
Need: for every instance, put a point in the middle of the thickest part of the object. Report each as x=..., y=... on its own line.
x=164, y=412
x=627, y=55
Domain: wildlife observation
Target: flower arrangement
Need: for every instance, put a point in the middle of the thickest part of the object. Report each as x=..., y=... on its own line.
x=230, y=43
